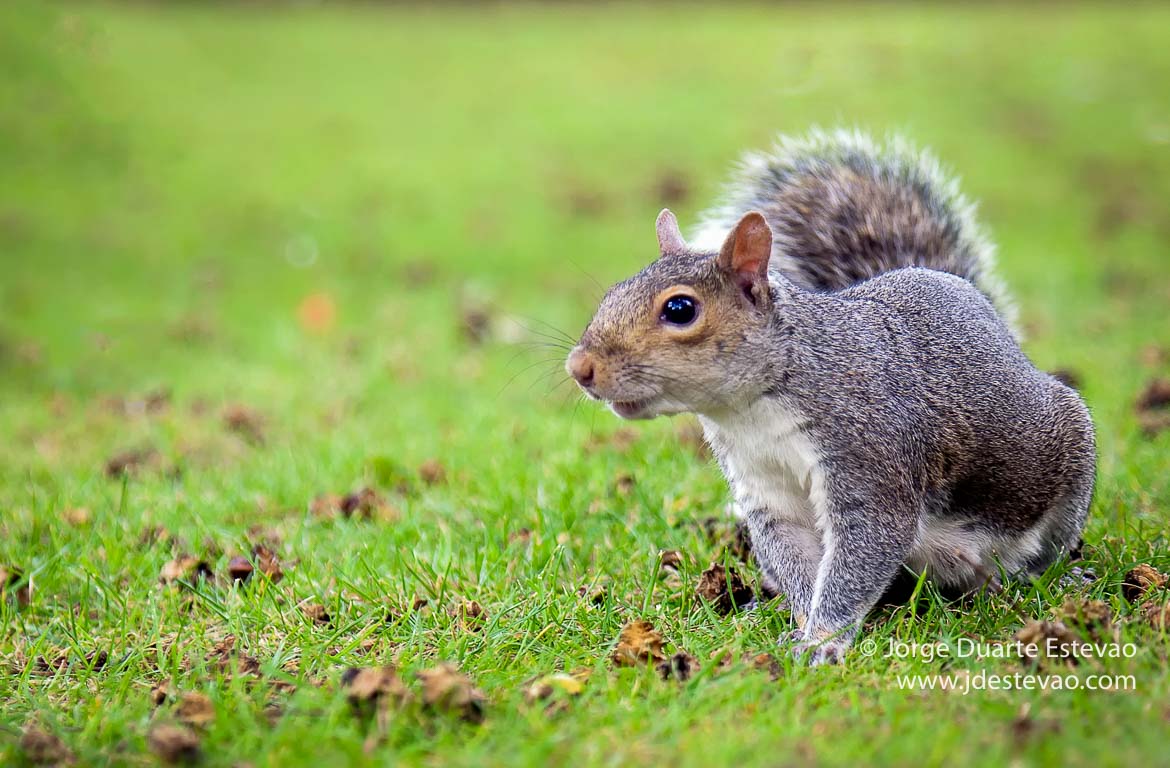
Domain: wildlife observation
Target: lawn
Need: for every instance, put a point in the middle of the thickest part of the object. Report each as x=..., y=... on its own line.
x=255, y=259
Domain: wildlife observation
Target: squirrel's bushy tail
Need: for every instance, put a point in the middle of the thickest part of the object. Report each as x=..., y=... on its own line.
x=844, y=208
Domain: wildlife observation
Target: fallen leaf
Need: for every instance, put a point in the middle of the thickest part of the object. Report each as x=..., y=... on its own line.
x=671, y=188
x=43, y=748
x=471, y=615
x=638, y=644
x=245, y=422
x=268, y=563
x=1157, y=614
x=766, y=662
x=317, y=613
x=1092, y=616
x=670, y=559
x=173, y=743
x=367, y=504
x=185, y=569
x=723, y=588
x=129, y=461
x=596, y=595
x=475, y=324
x=546, y=687
x=317, y=313
x=1037, y=638
x=13, y=584
x=240, y=569
x=1153, y=423
x=159, y=693
x=77, y=516
x=1141, y=580
x=1156, y=395
x=371, y=688
x=195, y=709
x=154, y=534
x=680, y=666
x=447, y=689
x=432, y=472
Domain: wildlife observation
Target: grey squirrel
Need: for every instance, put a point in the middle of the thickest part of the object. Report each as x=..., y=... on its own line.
x=853, y=361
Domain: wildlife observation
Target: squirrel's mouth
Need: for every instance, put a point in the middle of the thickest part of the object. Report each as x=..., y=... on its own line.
x=630, y=409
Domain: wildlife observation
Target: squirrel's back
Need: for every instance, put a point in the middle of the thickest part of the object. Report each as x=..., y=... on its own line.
x=844, y=208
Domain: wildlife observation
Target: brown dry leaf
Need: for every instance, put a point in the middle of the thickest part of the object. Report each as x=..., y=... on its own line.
x=555, y=690
x=326, y=505
x=558, y=684
x=475, y=324
x=1044, y=636
x=1157, y=614
x=670, y=559
x=1092, y=616
x=1153, y=423
x=596, y=594
x=1156, y=395
x=447, y=689
x=317, y=313
x=239, y=569
x=1140, y=581
x=77, y=516
x=43, y=748
x=472, y=616
x=723, y=588
x=195, y=709
x=268, y=563
x=372, y=688
x=623, y=484
x=681, y=666
x=174, y=743
x=154, y=534
x=129, y=461
x=185, y=569
x=368, y=504
x=227, y=659
x=245, y=422
x=671, y=188
x=766, y=662
x=14, y=585
x=638, y=644
x=317, y=613
x=432, y=472
x=160, y=693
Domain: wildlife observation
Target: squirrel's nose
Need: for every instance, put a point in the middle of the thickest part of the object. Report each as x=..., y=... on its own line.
x=580, y=367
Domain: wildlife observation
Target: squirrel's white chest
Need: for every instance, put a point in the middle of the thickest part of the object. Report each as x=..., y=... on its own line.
x=769, y=460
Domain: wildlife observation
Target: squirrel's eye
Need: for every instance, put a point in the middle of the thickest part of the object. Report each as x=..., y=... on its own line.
x=679, y=310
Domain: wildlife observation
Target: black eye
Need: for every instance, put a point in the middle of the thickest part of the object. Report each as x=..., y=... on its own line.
x=679, y=310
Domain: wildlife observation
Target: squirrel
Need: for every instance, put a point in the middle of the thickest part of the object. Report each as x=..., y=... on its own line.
x=838, y=329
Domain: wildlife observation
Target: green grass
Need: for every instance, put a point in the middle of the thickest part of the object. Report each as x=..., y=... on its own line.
x=175, y=181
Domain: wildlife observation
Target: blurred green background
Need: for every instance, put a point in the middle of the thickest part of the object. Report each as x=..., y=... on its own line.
x=355, y=221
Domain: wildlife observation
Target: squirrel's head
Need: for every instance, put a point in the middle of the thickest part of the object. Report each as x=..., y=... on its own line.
x=687, y=333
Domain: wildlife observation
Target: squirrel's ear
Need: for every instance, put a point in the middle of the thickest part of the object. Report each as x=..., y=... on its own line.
x=746, y=252
x=670, y=240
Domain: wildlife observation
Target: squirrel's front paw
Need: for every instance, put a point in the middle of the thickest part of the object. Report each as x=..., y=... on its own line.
x=831, y=651
x=794, y=635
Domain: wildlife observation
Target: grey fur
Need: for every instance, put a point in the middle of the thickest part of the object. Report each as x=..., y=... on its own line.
x=884, y=402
